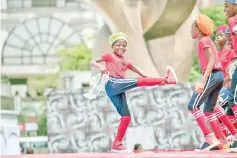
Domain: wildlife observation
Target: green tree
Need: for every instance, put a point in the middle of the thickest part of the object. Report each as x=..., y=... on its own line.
x=72, y=58
x=22, y=118
x=41, y=82
x=195, y=71
x=75, y=58
x=42, y=123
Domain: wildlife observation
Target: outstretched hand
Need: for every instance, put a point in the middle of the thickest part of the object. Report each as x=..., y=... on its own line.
x=103, y=70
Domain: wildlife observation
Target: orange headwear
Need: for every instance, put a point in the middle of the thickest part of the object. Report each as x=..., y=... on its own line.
x=205, y=24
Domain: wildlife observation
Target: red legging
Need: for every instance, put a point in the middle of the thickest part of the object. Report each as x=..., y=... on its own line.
x=150, y=81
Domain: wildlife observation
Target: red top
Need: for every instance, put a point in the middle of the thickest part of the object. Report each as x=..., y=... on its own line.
x=206, y=42
x=224, y=56
x=116, y=65
x=232, y=22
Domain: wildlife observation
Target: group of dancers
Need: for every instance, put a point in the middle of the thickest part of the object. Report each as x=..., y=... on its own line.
x=217, y=88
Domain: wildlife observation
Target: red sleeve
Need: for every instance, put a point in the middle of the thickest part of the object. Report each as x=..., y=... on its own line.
x=129, y=64
x=225, y=60
x=227, y=55
x=232, y=22
x=106, y=56
x=205, y=43
x=232, y=56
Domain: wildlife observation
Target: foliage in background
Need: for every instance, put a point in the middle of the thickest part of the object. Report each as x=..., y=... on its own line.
x=216, y=13
x=42, y=123
x=195, y=70
x=41, y=120
x=78, y=57
x=72, y=58
x=75, y=58
x=40, y=83
x=22, y=118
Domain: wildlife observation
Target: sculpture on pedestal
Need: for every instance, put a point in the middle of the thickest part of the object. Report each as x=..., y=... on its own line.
x=158, y=33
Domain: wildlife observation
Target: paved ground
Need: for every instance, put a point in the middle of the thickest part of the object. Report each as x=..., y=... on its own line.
x=146, y=154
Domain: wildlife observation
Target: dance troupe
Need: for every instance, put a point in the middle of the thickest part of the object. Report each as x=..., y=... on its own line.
x=216, y=90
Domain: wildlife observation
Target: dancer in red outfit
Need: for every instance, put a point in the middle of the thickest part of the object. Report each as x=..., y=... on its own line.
x=117, y=85
x=212, y=81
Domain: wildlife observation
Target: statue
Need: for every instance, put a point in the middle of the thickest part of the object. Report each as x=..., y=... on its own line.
x=158, y=30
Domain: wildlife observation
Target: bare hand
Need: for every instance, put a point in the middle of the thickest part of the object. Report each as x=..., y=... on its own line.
x=103, y=70
x=227, y=84
x=199, y=87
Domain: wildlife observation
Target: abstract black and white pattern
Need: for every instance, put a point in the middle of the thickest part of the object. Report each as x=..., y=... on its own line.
x=9, y=135
x=160, y=119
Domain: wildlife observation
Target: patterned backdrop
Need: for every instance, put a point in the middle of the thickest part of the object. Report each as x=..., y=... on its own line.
x=160, y=120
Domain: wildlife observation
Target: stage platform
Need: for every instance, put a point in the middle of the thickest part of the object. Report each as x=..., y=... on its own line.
x=163, y=154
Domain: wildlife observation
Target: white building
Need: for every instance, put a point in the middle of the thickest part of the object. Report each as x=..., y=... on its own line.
x=33, y=30
x=31, y=33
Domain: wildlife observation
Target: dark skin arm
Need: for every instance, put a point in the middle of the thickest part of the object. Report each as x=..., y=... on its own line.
x=210, y=66
x=138, y=71
x=95, y=63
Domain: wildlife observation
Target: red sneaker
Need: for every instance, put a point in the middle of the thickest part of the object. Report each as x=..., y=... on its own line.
x=171, y=76
x=118, y=147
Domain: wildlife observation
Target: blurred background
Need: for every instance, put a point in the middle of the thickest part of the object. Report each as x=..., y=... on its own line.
x=46, y=46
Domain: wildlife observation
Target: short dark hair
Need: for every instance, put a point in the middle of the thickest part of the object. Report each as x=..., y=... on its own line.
x=136, y=146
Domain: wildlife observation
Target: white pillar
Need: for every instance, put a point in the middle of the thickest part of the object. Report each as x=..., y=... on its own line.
x=10, y=132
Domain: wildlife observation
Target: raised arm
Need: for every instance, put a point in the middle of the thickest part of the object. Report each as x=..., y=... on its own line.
x=137, y=70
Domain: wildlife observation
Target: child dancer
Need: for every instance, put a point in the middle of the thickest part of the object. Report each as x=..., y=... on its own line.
x=117, y=85
x=228, y=109
x=230, y=8
x=224, y=54
x=231, y=12
x=209, y=88
x=228, y=38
